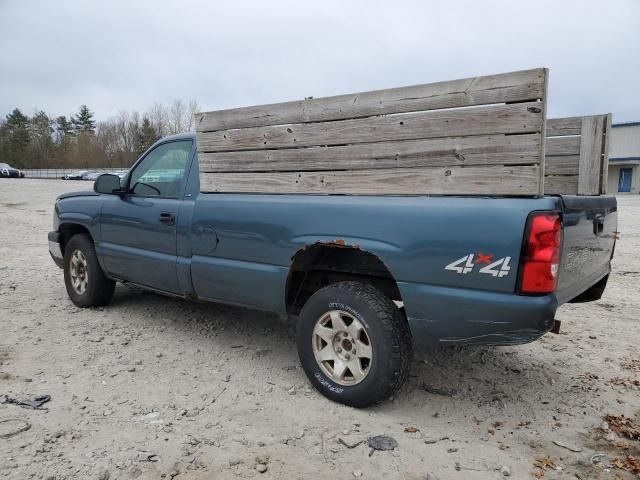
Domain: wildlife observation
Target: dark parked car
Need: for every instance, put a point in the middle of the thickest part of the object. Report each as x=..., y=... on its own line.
x=7, y=171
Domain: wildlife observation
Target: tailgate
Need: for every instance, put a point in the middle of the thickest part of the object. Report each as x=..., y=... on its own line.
x=590, y=225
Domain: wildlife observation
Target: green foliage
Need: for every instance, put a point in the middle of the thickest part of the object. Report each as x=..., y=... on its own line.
x=146, y=137
x=41, y=129
x=78, y=141
x=15, y=137
x=63, y=130
x=83, y=122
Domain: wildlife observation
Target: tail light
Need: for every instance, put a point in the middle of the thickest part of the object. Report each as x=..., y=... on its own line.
x=540, y=260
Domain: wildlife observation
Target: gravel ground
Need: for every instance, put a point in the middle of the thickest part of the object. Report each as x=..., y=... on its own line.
x=153, y=387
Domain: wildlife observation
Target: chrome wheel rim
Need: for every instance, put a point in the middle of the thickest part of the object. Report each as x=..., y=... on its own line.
x=342, y=348
x=78, y=272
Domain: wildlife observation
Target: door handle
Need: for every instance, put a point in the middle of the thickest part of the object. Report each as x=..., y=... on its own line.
x=167, y=218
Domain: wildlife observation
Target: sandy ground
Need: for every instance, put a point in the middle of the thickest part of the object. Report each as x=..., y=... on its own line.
x=153, y=387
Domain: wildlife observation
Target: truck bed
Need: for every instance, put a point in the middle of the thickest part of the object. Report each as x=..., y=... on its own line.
x=417, y=238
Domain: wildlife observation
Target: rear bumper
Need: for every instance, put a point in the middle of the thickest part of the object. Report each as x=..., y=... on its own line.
x=54, y=249
x=443, y=315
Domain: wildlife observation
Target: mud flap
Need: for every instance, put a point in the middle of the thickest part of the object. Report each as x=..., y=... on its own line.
x=592, y=294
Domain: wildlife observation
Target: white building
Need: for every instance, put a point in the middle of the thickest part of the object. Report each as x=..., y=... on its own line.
x=624, y=158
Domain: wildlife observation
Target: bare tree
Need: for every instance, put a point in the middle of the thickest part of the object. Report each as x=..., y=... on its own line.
x=122, y=121
x=108, y=141
x=158, y=115
x=41, y=130
x=193, y=109
x=178, y=112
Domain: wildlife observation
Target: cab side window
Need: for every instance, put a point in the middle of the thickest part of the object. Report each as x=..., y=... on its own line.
x=162, y=172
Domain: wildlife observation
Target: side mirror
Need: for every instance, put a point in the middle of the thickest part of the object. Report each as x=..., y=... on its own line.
x=107, y=183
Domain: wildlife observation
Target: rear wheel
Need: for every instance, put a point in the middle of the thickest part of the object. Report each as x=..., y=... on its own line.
x=87, y=285
x=354, y=344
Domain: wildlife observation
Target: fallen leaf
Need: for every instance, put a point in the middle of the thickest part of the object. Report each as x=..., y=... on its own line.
x=411, y=430
x=628, y=464
x=624, y=381
x=538, y=473
x=631, y=363
x=625, y=426
x=545, y=463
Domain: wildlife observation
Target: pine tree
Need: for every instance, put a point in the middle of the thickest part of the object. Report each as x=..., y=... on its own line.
x=147, y=136
x=84, y=122
x=41, y=129
x=64, y=130
x=17, y=136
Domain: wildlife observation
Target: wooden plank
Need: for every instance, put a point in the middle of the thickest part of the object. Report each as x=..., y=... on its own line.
x=496, y=180
x=480, y=150
x=508, y=87
x=556, y=146
x=499, y=119
x=564, y=126
x=590, y=155
x=563, y=165
x=604, y=171
x=543, y=134
x=561, y=184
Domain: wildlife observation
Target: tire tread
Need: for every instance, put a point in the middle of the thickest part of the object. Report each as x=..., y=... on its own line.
x=396, y=331
x=101, y=287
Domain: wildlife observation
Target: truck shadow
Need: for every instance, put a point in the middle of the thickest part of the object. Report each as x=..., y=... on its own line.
x=496, y=379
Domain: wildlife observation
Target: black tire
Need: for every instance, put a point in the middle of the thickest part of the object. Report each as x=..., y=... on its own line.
x=384, y=324
x=99, y=289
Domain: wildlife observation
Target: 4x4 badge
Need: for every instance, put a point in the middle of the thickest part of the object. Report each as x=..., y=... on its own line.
x=466, y=264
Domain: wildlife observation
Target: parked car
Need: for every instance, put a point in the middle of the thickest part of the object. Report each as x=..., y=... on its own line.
x=91, y=175
x=77, y=175
x=365, y=274
x=7, y=171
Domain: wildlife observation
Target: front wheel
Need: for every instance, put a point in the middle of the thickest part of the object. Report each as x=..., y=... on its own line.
x=354, y=344
x=87, y=285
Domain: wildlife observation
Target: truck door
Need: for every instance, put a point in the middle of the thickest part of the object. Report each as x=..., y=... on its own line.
x=138, y=229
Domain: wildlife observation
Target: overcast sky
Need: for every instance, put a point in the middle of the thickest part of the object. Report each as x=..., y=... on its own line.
x=125, y=55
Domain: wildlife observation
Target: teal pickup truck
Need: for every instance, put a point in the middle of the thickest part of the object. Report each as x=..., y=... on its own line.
x=367, y=276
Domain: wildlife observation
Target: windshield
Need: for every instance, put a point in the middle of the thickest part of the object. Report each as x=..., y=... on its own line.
x=5, y=165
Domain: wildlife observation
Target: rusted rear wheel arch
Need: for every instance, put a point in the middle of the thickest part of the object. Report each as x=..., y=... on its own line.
x=321, y=264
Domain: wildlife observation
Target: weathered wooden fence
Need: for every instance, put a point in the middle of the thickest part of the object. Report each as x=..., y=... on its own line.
x=577, y=155
x=482, y=135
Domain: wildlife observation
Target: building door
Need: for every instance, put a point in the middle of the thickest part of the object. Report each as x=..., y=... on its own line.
x=624, y=182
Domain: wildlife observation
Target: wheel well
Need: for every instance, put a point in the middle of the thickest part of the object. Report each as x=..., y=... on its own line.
x=68, y=230
x=321, y=264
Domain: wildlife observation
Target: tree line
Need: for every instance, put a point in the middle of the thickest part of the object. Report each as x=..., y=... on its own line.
x=78, y=141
